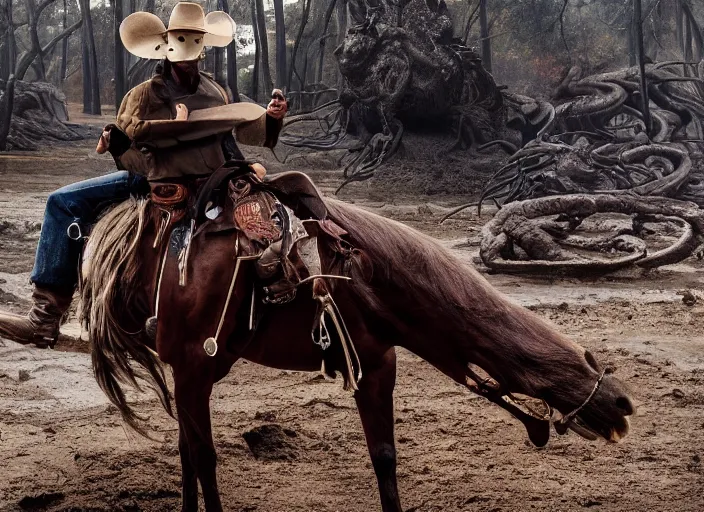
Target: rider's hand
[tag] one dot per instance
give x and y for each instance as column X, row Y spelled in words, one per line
column 181, row 112
column 278, row 106
column 104, row 142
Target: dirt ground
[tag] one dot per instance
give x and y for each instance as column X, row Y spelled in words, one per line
column 63, row 448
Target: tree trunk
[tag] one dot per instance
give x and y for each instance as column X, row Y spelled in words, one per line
column 484, row 34
column 257, row 53
column 341, row 21
column 638, row 27
column 219, row 56
column 631, row 38
column 85, row 68
column 218, row 60
column 263, row 42
column 231, row 54
column 63, row 68
column 34, row 37
column 297, row 42
column 120, row 82
column 324, row 38
column 696, row 40
column 679, row 25
column 91, row 100
column 128, row 58
column 6, row 105
column 341, row 33
column 7, row 49
column 27, row 57
column 280, row 42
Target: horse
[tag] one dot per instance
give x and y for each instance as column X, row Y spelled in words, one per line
column 405, row 290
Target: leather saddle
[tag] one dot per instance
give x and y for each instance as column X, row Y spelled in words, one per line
column 282, row 224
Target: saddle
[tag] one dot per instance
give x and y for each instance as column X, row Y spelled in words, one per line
column 282, row 226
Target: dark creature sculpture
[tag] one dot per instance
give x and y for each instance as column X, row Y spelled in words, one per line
column 402, row 69
column 594, row 141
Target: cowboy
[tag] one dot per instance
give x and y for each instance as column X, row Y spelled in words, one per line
column 156, row 136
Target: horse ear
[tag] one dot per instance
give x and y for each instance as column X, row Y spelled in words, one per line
column 298, row 192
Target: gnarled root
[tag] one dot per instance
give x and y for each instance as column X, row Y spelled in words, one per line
column 544, row 244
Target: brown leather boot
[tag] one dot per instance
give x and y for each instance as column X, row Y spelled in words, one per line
column 41, row 325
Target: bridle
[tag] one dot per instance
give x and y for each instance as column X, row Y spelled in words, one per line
column 564, row 423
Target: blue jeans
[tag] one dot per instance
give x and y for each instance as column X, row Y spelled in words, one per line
column 58, row 256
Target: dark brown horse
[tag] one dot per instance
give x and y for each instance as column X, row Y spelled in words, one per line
column 406, row 291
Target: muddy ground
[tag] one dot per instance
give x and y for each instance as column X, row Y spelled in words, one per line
column 63, row 448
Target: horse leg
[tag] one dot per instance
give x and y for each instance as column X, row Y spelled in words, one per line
column 198, row 458
column 189, row 478
column 375, row 403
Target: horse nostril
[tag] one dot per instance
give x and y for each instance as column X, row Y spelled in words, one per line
column 625, row 405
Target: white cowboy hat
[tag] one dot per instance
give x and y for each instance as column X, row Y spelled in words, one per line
column 145, row 35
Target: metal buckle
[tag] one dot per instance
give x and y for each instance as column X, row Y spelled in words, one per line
column 74, row 232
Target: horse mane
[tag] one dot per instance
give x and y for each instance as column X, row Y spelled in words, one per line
column 110, row 278
column 447, row 297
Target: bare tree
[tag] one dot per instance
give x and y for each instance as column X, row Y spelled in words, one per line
column 120, row 81
column 263, row 43
column 32, row 17
column 257, row 52
column 297, row 43
column 219, row 58
column 231, row 61
column 484, row 34
column 22, row 65
column 281, row 41
column 91, row 81
column 324, row 37
column 7, row 42
column 638, row 28
column 6, row 105
column 692, row 42
column 63, row 68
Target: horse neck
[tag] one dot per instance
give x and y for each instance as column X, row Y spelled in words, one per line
column 420, row 296
column 510, row 343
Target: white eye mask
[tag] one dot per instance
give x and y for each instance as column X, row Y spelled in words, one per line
column 183, row 46
column 145, row 35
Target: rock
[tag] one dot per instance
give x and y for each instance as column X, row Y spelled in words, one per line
column 269, row 416
column 688, row 298
column 8, row 297
column 424, row 209
column 40, row 501
column 40, row 114
column 24, row 376
column 678, row 393
column 589, row 503
column 273, row 442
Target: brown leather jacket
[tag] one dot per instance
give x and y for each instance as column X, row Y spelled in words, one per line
column 146, row 139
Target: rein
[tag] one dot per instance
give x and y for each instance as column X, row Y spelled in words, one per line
column 210, row 346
